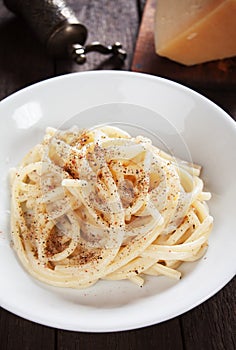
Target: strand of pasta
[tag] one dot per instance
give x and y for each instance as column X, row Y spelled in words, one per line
column 99, row 204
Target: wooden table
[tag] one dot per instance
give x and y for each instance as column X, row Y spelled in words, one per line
column 23, row 62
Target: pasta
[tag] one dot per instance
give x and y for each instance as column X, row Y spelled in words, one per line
column 100, row 204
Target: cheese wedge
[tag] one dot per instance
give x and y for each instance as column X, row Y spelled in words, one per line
column 195, row 31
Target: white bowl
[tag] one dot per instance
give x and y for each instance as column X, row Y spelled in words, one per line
column 176, row 119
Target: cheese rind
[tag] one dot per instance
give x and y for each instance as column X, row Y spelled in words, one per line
column 203, row 35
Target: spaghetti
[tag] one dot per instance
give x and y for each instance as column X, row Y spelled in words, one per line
column 100, row 204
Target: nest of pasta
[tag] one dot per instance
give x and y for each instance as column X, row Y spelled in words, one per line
column 100, row 204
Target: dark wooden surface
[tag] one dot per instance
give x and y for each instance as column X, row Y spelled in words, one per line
column 23, row 61
column 215, row 74
column 216, row 80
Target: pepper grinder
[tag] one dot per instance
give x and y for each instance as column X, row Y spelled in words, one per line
column 59, row 30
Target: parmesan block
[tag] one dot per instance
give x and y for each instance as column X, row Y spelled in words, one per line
column 195, row 31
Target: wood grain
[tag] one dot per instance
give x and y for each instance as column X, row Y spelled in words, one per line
column 18, row 333
column 217, row 74
column 166, row 335
column 24, row 61
column 223, row 98
column 212, row 325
